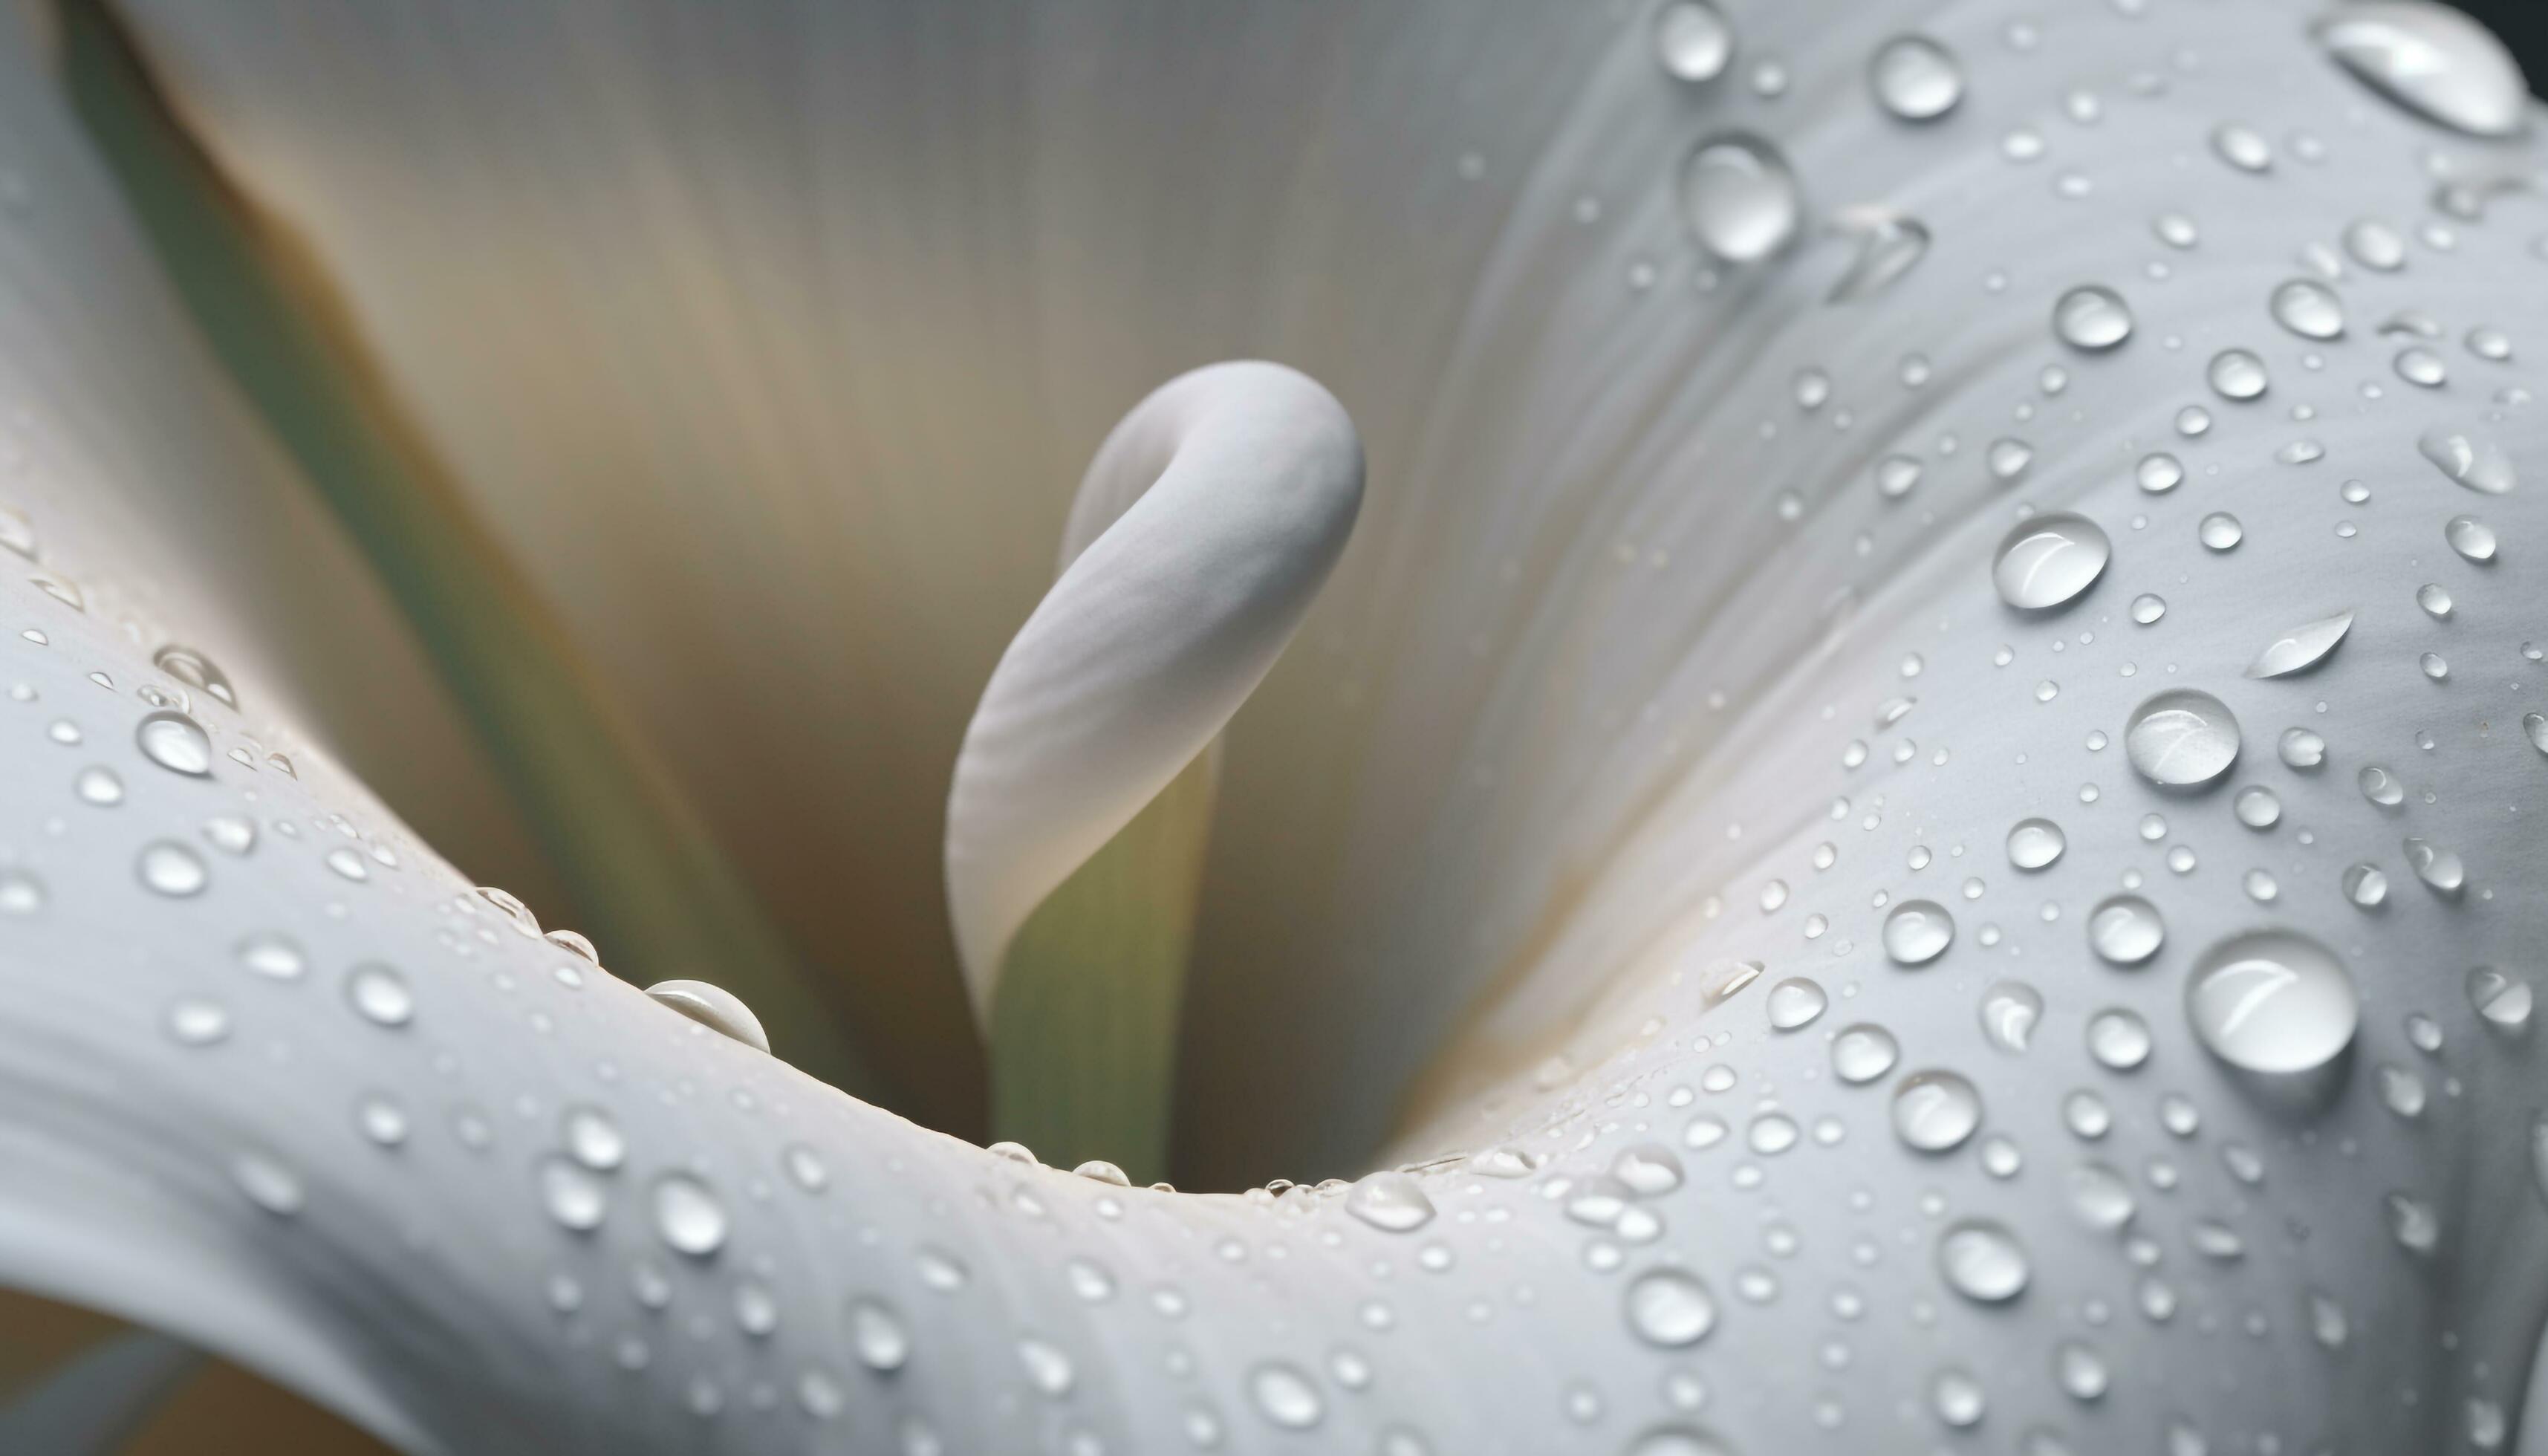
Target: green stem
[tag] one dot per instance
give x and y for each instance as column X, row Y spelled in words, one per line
column 1085, row 1022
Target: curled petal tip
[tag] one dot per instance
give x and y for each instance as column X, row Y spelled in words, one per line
column 1205, row 526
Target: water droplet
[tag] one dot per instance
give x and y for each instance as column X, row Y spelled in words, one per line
column 2219, row 532
column 2471, row 538
column 878, row 1336
column 196, row 1022
column 1391, row 1202
column 272, row 956
column 2009, row 458
column 1916, row 78
column 1671, row 1309
column 175, row 743
column 2119, row 1038
column 380, row 994
column 1982, row 1262
column 171, row 868
column 267, row 1183
column 1933, row 1111
column 1693, row 41
column 2126, row 930
column 2421, row 367
column 2271, row 1001
column 2034, row 843
column 2480, row 465
column 573, row 1196
column 719, row 1010
column 1918, row 932
column 2257, row 807
column 2237, row 374
column 1647, row 1170
column 2439, row 867
column 2435, row 599
column 1864, row 1052
column 98, row 785
column 2432, row 60
column 1796, row 1002
column 2081, row 1370
column 2149, row 607
column 689, row 1216
column 2433, row 665
column 2301, row 748
column 1047, row 1369
column 1739, row 199
column 2181, row 738
column 593, row 1139
column 197, row 671
column 2100, row 1196
column 2158, row 473
column 2502, row 1000
column 1099, row 1170
column 2412, row 1223
column 231, row 834
column 2302, row 647
column 2092, row 317
column 2048, row 560
column 2309, row 308
column 2242, row 147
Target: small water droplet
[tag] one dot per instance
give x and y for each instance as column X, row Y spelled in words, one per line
column 2309, row 308
column 2126, row 930
column 2302, row 647
column 380, row 994
column 2471, row 538
column 1693, row 41
column 97, row 784
column 719, row 1010
column 1796, row 1002
column 1888, row 246
column 2010, row 1012
column 2034, row 843
column 1915, row 78
column 2219, row 532
column 2242, row 147
column 1918, row 932
column 2048, row 560
column 172, row 870
column 2237, row 374
column 1391, row 1202
column 175, row 743
column 2149, row 607
column 1982, row 1262
column 1671, row 1309
column 2437, row 867
column 267, row 1183
column 1864, row 1052
column 196, row 671
column 878, row 1336
column 196, row 1022
column 689, row 1216
column 572, row 1195
column 1935, row 1111
column 2480, row 465
column 2093, row 318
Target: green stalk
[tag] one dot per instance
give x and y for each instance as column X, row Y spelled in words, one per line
column 1084, row 1021
column 657, row 891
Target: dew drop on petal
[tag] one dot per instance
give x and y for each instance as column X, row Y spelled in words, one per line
column 1391, row 1202
column 2434, row 62
column 573, row 1196
column 1918, row 932
column 1935, row 1111
column 2502, row 1000
column 1982, row 1262
column 170, row 868
column 2119, row 1038
column 2471, row 538
column 877, row 1335
column 2126, row 930
column 2480, row 465
column 2439, row 867
column 2034, row 843
column 1693, row 41
column 2093, row 318
column 1915, row 78
column 1739, row 199
column 1285, row 1395
column 1796, row 1002
column 2048, row 560
column 1864, row 1052
column 714, row 1007
column 2309, row 308
column 2181, row 738
column 2271, row 1001
column 1671, row 1309
column 2010, row 1012
column 175, row 743
column 2219, row 532
column 2302, row 647
column 689, row 1216
column 380, row 994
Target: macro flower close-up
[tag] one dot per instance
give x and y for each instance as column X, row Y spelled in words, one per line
column 1644, row 727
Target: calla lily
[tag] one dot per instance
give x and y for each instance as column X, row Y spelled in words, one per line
column 1817, row 836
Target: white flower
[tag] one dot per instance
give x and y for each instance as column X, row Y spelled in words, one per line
column 1768, row 829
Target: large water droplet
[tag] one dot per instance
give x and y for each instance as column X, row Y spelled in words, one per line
column 2126, row 930
column 2219, row 532
column 1739, row 199
column 593, row 1139
column 197, row 671
column 2309, row 308
column 1933, row 1111
column 175, row 743
column 1982, row 1262
column 2158, row 473
column 2439, row 867
column 1285, row 1395
column 1918, row 932
column 2303, row 645
column 2048, row 560
column 2119, row 1038
column 1916, row 78
column 2431, row 59
column 1392, row 1201
column 2271, row 1001
column 2181, row 738
column 714, row 1007
column 2034, row 843
column 2480, row 465
column 573, row 1197
column 380, row 994
column 1888, row 246
column 2092, row 317
column 1670, row 1307
column 2471, row 538
column 1693, row 41
column 689, row 1216
column 2101, row 1197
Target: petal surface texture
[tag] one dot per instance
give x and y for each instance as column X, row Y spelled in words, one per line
column 1649, row 688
